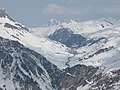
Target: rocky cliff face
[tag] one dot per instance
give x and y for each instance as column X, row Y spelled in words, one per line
column 75, row 76
column 28, row 70
column 22, row 67
column 81, row 77
column 67, row 37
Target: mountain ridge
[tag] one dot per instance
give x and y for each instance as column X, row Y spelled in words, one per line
column 32, row 60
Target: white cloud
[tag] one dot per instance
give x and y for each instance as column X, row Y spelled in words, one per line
column 57, row 9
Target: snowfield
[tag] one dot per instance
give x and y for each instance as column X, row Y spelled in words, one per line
column 102, row 51
column 58, row 53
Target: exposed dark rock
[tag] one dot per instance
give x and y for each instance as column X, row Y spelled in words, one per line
column 75, row 76
column 65, row 36
column 105, row 81
column 21, row 27
column 100, row 51
column 18, row 26
column 93, row 41
column 13, row 57
column 3, row 14
column 71, row 40
column 10, row 26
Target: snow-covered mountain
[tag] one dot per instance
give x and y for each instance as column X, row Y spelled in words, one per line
column 62, row 55
column 98, row 46
column 44, row 46
column 77, row 26
column 23, row 68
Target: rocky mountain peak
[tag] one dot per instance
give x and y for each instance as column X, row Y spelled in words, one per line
column 3, row 14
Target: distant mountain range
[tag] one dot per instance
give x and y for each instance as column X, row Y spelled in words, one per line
column 61, row 55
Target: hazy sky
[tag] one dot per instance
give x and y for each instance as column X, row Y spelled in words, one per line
column 33, row 13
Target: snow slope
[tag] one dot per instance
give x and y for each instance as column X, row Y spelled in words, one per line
column 104, row 53
column 55, row 52
column 76, row 26
column 98, row 54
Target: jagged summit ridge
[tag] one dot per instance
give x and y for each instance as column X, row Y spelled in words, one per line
column 3, row 14
column 77, row 26
column 8, row 22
